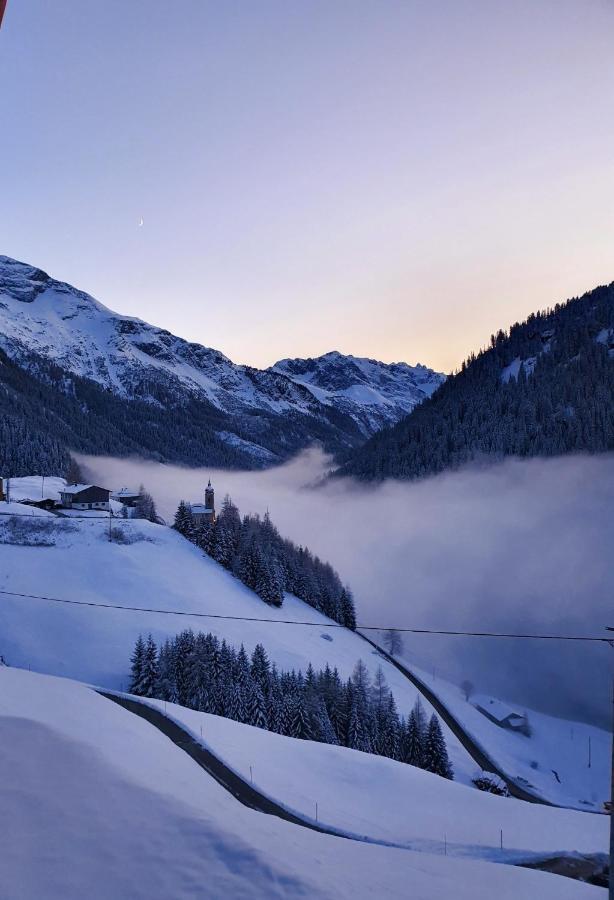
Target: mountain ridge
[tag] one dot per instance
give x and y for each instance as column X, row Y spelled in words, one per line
column 63, row 337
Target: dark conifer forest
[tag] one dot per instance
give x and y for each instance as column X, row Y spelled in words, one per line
column 197, row 671
column 255, row 552
column 544, row 389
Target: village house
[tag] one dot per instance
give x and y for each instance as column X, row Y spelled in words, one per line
column 126, row 497
column 84, row 496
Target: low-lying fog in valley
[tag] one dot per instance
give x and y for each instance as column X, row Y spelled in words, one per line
column 517, row 546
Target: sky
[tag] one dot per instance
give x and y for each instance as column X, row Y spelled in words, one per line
column 390, row 179
column 517, row 546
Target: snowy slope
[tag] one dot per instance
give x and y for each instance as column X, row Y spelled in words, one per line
column 554, row 760
column 129, row 357
column 72, row 559
column 102, row 805
column 371, row 796
column 33, row 487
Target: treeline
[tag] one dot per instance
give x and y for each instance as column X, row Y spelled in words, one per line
column 559, row 401
column 255, row 552
column 202, row 673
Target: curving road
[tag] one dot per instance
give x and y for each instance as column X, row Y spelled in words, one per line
column 242, row 790
column 474, row 749
column 246, row 794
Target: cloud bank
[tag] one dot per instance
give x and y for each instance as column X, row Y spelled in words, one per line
column 516, row 546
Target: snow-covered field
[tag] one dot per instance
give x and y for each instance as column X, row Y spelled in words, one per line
column 100, row 804
column 34, row 487
column 565, row 762
column 155, row 567
column 383, row 800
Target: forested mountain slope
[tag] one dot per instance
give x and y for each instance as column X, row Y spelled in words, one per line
column 44, row 415
column 544, row 389
column 140, row 389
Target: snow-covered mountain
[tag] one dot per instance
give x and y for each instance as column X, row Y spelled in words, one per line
column 373, row 393
column 338, row 400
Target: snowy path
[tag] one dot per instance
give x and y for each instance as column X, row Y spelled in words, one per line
column 535, row 836
column 240, row 789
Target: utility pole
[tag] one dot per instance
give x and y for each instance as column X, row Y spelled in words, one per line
column 611, row 878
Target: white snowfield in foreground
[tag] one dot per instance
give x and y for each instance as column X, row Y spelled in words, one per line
column 159, row 569
column 565, row 762
column 99, row 804
column 371, row 796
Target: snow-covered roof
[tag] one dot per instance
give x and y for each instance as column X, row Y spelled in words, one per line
column 497, row 708
column 125, row 492
column 75, row 488
column 200, row 508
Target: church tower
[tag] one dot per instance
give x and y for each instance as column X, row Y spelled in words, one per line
column 210, row 500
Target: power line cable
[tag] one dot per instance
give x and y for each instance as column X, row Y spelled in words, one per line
column 201, row 615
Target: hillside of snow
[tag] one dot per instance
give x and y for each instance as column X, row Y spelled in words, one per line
column 61, row 324
column 563, row 761
column 384, row 800
column 101, row 804
column 152, row 567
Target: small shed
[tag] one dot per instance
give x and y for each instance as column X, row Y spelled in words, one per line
column 84, row 496
column 46, row 503
column 503, row 715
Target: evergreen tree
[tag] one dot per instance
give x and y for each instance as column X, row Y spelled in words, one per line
column 184, row 646
column 145, row 508
column 149, row 670
column 260, row 668
column 347, row 615
column 166, row 688
column 435, row 752
column 413, row 738
column 183, row 519
column 358, row 737
column 256, row 707
column 136, row 668
column 300, row 726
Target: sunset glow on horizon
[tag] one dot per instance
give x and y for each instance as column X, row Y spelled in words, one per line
column 395, row 180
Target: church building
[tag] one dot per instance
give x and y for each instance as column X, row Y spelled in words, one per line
column 204, row 513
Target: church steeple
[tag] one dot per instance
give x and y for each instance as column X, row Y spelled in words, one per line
column 210, row 498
